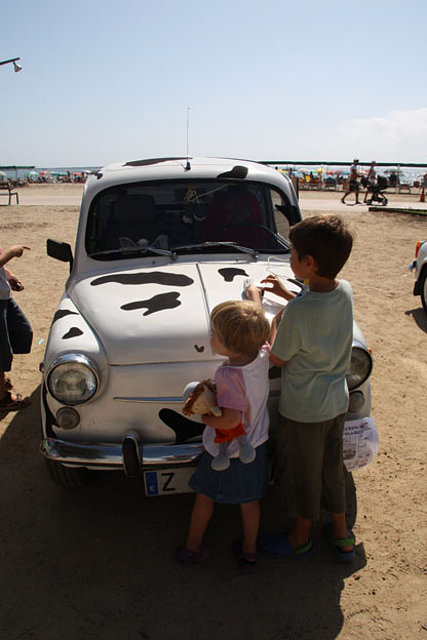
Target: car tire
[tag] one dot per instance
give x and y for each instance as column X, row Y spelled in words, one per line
column 351, row 499
column 423, row 288
column 66, row 477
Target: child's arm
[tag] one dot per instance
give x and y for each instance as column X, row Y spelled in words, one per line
column 279, row 288
column 278, row 362
column 14, row 282
column 273, row 331
column 15, row 251
column 230, row 419
column 254, row 293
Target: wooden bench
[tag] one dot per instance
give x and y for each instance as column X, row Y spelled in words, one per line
column 7, row 190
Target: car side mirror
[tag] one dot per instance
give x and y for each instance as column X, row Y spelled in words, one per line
column 60, row 251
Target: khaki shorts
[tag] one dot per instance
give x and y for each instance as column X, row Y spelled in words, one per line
column 309, row 467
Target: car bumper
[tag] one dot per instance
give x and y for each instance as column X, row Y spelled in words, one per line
column 116, row 457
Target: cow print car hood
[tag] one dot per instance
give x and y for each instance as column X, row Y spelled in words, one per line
column 136, row 316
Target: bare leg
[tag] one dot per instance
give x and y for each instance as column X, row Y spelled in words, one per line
column 250, row 519
column 3, row 390
column 200, row 518
column 339, row 529
column 7, row 395
column 300, row 534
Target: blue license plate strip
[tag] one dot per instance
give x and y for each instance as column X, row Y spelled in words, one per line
column 167, row 481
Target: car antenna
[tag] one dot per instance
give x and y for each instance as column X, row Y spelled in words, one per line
column 188, row 166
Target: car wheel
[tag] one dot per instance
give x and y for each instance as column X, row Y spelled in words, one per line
column 66, row 477
column 351, row 500
column 423, row 289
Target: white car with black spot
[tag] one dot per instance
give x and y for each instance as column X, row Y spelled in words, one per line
column 160, row 242
column 419, row 265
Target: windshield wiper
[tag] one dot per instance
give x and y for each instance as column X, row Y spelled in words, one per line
column 213, row 243
column 127, row 252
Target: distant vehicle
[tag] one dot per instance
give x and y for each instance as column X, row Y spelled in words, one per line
column 419, row 265
column 160, row 242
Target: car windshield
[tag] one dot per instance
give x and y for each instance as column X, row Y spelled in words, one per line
column 177, row 217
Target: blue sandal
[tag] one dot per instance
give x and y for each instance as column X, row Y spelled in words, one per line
column 336, row 545
column 278, row 545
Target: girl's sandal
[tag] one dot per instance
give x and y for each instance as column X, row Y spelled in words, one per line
column 183, row 555
column 10, row 403
column 247, row 560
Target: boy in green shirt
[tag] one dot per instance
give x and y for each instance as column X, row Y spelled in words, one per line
column 312, row 340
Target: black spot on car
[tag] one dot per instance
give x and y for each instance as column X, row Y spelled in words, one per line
column 154, row 277
column 72, row 333
column 61, row 313
column 230, row 273
column 199, row 349
column 161, row 302
column 149, row 161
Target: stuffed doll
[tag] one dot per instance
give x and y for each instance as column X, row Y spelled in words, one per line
column 200, row 398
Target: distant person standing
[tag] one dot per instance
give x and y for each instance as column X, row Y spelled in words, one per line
column 16, row 334
column 353, row 183
column 393, row 180
column 371, row 178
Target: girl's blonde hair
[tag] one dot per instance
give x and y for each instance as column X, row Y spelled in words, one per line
column 241, row 325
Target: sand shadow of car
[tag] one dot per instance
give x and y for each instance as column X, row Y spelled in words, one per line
column 111, row 537
column 419, row 316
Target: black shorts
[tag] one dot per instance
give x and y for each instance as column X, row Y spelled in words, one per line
column 16, row 334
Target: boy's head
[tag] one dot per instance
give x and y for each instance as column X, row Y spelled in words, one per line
column 325, row 238
column 240, row 325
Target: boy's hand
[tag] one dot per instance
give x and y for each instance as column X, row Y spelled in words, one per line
column 278, row 287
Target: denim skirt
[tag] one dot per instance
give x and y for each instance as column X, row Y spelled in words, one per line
column 237, row 484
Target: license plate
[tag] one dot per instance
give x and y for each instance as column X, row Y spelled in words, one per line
column 167, row 481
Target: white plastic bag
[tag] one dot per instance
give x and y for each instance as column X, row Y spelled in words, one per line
column 360, row 443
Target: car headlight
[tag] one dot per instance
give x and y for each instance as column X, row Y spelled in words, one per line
column 72, row 379
column 360, row 366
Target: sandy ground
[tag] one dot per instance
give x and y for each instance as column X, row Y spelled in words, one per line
column 97, row 563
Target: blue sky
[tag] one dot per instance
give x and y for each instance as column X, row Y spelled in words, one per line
column 110, row 81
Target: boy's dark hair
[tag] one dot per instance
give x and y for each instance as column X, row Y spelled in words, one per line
column 327, row 239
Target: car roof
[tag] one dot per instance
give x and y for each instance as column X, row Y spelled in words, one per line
column 183, row 168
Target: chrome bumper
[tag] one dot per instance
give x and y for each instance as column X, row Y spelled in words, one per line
column 110, row 457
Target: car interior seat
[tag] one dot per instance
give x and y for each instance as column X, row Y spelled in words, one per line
column 233, row 216
column 133, row 217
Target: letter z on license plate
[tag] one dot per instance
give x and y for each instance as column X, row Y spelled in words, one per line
column 167, row 481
